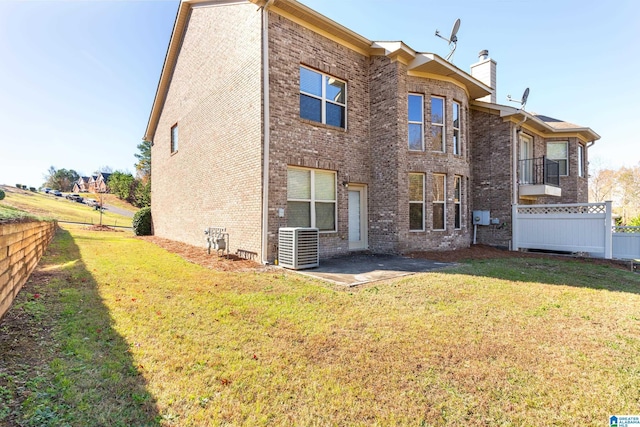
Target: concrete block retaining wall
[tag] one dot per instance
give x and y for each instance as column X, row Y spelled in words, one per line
column 21, row 247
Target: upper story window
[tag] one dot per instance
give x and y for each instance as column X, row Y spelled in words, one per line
column 416, row 202
column 580, row 160
column 457, row 201
column 174, row 138
column 437, row 124
column 323, row 98
column 416, row 122
column 559, row 152
column 457, row 126
column 311, row 198
column 439, row 201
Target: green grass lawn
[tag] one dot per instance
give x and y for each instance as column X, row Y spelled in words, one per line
column 49, row 206
column 123, row 333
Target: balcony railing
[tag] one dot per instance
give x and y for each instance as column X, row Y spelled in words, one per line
column 539, row 171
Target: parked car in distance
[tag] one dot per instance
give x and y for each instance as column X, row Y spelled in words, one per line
column 91, row 202
column 74, row 196
column 47, row 190
column 56, row 193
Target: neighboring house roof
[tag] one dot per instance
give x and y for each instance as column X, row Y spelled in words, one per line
column 547, row 126
column 428, row 64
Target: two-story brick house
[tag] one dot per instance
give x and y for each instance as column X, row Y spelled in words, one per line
column 268, row 114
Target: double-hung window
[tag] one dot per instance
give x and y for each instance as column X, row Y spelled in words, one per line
column 416, row 202
column 457, row 201
column 439, row 201
column 311, row 198
column 174, row 138
column 558, row 151
column 416, row 122
column 580, row 160
column 323, row 98
column 437, row 124
column 457, row 147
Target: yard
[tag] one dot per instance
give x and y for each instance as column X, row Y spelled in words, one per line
column 113, row 330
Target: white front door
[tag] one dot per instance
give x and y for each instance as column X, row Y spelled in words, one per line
column 357, row 217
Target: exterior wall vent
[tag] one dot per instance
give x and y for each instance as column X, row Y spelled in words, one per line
column 298, row 247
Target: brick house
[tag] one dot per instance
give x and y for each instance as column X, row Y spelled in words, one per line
column 273, row 115
column 98, row 183
column 81, row 185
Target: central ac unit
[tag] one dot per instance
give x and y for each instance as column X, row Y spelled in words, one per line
column 298, row 247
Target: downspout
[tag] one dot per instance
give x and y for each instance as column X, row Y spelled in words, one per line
column 265, row 132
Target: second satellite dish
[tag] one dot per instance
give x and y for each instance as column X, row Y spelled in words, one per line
column 452, row 40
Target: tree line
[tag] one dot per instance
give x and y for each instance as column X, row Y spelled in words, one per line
column 135, row 190
column 622, row 187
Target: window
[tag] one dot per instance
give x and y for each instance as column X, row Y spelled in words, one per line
column 174, row 138
column 437, row 123
column 558, row 151
column 457, row 201
column 416, row 202
column 439, row 204
column 416, row 118
column 457, row 149
column 322, row 98
column 311, row 198
column 580, row 160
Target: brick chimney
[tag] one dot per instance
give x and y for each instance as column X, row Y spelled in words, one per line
column 485, row 71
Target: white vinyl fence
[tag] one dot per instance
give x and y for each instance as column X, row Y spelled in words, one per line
column 576, row 227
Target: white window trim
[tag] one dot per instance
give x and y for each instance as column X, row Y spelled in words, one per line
column 313, row 200
column 580, row 160
column 566, row 159
column 421, row 202
column 174, row 143
column 441, row 202
column 323, row 99
column 421, row 123
column 457, row 148
column 457, row 202
column 443, row 145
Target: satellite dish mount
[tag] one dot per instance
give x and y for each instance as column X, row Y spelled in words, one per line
column 522, row 100
column 452, row 40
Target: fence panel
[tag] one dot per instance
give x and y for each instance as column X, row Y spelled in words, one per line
column 626, row 242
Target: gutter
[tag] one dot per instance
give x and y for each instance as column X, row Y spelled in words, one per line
column 265, row 132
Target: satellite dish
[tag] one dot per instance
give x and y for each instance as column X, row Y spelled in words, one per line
column 452, row 40
column 523, row 100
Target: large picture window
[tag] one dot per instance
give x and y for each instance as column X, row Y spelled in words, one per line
column 439, row 201
column 311, row 198
column 416, row 122
column 437, row 124
column 416, row 202
column 558, row 151
column 457, row 147
column 457, row 201
column 323, row 98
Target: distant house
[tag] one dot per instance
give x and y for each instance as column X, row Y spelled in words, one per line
column 276, row 116
column 81, row 185
column 99, row 183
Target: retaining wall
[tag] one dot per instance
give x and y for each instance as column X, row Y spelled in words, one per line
column 21, row 247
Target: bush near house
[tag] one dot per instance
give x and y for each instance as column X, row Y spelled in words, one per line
column 142, row 222
column 2, row 194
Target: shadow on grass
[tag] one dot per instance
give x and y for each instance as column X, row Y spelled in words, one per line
column 582, row 273
column 61, row 361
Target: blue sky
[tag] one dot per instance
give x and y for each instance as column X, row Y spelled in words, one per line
column 77, row 78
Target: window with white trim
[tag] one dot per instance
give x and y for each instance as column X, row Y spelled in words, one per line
column 439, row 201
column 323, row 98
column 457, row 202
column 457, row 147
column 558, row 151
column 580, row 160
column 174, row 138
column 416, row 202
column 437, row 124
column 311, row 198
column 416, row 122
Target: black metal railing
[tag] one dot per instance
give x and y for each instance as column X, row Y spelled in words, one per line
column 539, row 171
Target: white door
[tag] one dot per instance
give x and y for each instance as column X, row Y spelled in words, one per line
column 526, row 159
column 357, row 217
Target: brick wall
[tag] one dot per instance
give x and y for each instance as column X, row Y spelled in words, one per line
column 215, row 98
column 21, row 247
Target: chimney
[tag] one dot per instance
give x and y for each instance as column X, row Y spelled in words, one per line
column 485, row 71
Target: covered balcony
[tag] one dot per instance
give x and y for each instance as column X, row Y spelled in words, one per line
column 538, row 177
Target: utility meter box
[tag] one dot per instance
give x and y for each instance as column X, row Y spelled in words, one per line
column 481, row 218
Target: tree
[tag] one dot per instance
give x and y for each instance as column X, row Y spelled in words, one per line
column 622, row 186
column 61, row 179
column 121, row 184
column 143, row 167
column 104, row 169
